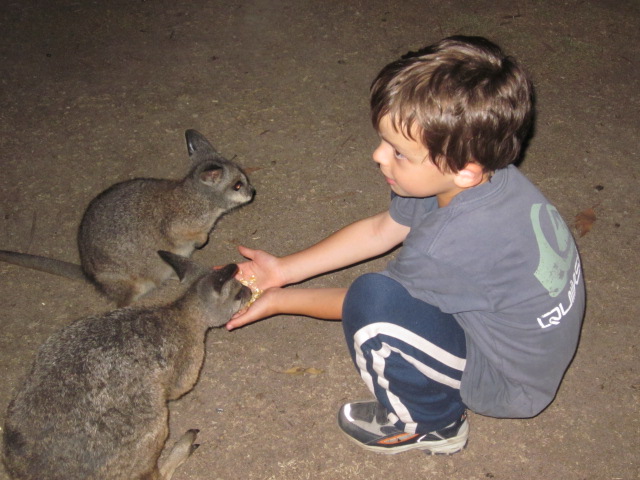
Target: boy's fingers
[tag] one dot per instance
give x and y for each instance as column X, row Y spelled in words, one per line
column 238, row 320
column 245, row 251
column 240, row 312
column 234, row 323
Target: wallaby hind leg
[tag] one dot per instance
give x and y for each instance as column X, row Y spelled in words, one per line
column 181, row 450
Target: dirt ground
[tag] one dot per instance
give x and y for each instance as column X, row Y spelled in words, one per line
column 94, row 92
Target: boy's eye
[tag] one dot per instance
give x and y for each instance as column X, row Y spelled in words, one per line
column 397, row 154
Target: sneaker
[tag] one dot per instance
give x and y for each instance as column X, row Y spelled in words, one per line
column 366, row 424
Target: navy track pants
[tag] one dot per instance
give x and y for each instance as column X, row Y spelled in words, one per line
column 410, row 354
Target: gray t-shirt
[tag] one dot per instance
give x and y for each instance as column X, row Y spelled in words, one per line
column 503, row 262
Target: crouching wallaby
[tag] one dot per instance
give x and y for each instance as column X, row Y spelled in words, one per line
column 124, row 226
column 94, row 405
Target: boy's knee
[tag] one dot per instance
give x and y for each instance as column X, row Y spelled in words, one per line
column 366, row 289
column 368, row 296
column 366, row 284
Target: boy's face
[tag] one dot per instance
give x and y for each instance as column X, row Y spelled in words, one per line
column 408, row 169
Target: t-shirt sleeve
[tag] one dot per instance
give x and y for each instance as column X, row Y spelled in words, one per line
column 404, row 209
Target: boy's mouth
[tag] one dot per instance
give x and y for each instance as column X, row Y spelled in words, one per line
column 387, row 179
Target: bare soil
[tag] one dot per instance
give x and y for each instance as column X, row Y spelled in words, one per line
column 94, row 92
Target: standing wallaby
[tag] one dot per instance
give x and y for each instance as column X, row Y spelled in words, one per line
column 94, row 405
column 124, row 226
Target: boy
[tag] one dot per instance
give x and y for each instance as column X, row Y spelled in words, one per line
column 482, row 307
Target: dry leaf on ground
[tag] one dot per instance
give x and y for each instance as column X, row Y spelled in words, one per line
column 584, row 221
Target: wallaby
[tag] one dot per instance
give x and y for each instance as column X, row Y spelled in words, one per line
column 94, row 405
column 124, row 226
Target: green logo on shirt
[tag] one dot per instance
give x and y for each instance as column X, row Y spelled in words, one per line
column 556, row 254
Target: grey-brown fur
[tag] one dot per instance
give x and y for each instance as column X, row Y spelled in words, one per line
column 95, row 403
column 124, row 226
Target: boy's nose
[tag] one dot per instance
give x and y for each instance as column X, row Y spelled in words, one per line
column 378, row 155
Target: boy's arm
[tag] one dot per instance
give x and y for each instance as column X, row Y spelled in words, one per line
column 362, row 240
column 359, row 241
column 325, row 303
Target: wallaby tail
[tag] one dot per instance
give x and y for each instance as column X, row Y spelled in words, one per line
column 44, row 264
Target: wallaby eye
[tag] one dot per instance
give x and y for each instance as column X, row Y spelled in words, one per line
column 237, row 186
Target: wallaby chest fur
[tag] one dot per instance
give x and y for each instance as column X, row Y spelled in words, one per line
column 94, row 405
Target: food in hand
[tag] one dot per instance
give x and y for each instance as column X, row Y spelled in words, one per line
column 255, row 291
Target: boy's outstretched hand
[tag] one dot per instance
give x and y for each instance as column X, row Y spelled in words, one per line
column 268, row 273
column 263, row 268
column 263, row 273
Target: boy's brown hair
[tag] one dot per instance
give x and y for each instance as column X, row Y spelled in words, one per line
column 465, row 99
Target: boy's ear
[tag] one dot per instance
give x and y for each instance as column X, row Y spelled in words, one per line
column 470, row 176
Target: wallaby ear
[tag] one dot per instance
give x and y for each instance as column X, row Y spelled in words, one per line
column 197, row 143
column 223, row 275
column 210, row 176
column 182, row 265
